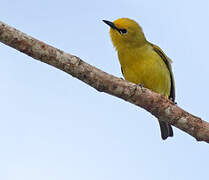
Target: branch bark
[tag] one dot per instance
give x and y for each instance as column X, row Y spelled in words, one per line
column 154, row 103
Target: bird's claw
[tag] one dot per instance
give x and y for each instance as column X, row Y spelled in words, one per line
column 173, row 101
column 141, row 85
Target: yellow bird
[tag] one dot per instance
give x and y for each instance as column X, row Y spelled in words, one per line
column 143, row 62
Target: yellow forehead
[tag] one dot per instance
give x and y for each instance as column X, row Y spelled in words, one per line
column 125, row 23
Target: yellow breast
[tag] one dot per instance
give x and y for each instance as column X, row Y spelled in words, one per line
column 144, row 66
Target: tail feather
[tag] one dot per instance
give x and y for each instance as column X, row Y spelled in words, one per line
column 170, row 130
column 166, row 130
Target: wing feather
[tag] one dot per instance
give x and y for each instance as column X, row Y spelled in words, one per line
column 168, row 62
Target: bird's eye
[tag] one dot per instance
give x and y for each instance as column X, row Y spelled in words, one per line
column 123, row 31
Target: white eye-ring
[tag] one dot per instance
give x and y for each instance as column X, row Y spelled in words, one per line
column 123, row 31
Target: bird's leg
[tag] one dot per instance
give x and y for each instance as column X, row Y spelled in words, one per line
column 141, row 85
column 173, row 101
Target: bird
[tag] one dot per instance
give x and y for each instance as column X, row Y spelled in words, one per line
column 143, row 62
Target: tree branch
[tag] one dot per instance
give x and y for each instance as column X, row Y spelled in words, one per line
column 156, row 104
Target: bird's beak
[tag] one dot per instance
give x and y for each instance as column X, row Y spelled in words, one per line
column 111, row 24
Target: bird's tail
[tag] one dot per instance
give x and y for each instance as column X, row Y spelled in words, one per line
column 166, row 130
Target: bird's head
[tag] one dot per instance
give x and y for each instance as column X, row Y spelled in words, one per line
column 125, row 33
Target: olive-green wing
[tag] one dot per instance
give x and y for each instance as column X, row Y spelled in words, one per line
column 168, row 62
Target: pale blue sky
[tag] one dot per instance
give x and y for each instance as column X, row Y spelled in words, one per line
column 54, row 126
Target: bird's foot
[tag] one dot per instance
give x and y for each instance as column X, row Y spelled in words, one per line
column 173, row 101
column 141, row 85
